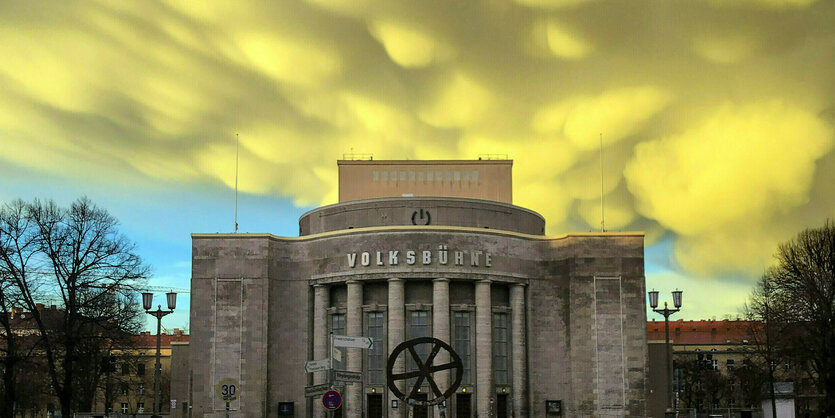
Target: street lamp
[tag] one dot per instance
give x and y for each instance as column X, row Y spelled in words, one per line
column 147, row 302
column 653, row 303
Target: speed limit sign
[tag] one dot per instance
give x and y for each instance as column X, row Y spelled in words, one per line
column 228, row 389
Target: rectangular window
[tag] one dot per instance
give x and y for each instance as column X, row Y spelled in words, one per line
column 140, row 407
column 456, row 175
column 140, row 390
column 420, row 175
column 385, row 176
column 411, row 176
column 715, row 364
column 393, row 176
column 461, row 344
column 465, row 176
column 418, row 327
column 448, row 176
column 474, row 176
column 438, row 176
column 402, row 176
column 375, row 175
column 140, row 369
column 376, row 361
column 338, row 328
column 124, row 389
column 730, row 364
column 125, row 369
column 124, row 408
column 500, row 348
column 429, row 176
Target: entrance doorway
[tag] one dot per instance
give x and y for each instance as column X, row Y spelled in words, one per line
column 375, row 406
column 501, row 406
column 421, row 411
column 463, row 405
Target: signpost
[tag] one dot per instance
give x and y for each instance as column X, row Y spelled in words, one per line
column 332, row 400
column 353, row 342
column 347, row 377
column 317, row 365
column 316, row 390
column 228, row 390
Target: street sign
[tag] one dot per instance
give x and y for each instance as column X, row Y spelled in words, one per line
column 347, row 377
column 332, row 400
column 228, row 389
column 316, row 390
column 336, row 354
column 317, row 365
column 352, row 342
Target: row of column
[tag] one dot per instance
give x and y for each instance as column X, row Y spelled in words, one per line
column 440, row 330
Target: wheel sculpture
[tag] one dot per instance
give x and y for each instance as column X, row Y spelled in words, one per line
column 424, row 371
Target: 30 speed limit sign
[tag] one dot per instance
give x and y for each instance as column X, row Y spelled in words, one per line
column 228, row 389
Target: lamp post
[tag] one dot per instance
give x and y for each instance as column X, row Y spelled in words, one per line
column 147, row 302
column 653, row 303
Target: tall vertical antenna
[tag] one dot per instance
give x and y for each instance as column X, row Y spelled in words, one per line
column 237, row 142
column 602, row 212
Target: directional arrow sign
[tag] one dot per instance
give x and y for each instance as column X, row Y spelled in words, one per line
column 352, row 342
column 347, row 377
column 317, row 365
column 316, row 390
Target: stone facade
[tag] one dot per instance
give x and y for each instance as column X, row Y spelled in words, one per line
column 544, row 317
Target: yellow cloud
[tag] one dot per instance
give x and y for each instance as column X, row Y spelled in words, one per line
column 724, row 49
column 409, row 47
column 742, row 164
column 461, row 101
column 616, row 113
column 768, row 4
column 564, row 43
column 296, row 61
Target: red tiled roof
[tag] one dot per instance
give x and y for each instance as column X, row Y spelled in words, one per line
column 702, row 332
column 147, row 339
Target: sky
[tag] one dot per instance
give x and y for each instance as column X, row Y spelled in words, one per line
column 717, row 117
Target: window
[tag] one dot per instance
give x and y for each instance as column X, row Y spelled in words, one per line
column 140, row 369
column 140, row 390
column 140, row 407
column 411, row 176
column 448, row 176
column 418, row 327
column 438, row 176
column 125, row 369
column 420, row 176
column 474, row 176
column 393, row 176
column 338, row 328
column 124, row 408
column 124, row 388
column 461, row 344
column 465, row 176
column 457, row 175
column 428, row 176
column 385, row 176
column 729, row 364
column 500, row 348
column 375, row 175
column 376, row 361
column 715, row 364
column 402, row 176
column 715, row 403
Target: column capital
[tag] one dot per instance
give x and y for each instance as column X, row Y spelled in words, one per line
column 440, row 279
column 319, row 285
column 484, row 281
column 519, row 284
column 395, row 279
column 353, row 282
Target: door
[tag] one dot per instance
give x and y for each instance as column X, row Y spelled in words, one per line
column 375, row 406
column 463, row 406
column 501, row 406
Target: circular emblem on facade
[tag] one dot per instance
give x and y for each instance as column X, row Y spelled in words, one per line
column 228, row 389
column 425, row 369
column 421, row 217
column 332, row 400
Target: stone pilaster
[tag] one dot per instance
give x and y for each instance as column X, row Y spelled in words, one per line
column 440, row 328
column 519, row 350
column 321, row 337
column 397, row 334
column 483, row 348
column 353, row 327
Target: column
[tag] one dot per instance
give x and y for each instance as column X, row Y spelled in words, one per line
column 353, row 327
column 321, row 337
column 518, row 350
column 483, row 348
column 396, row 335
column 440, row 329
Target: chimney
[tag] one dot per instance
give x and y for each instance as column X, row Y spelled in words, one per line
column 39, row 307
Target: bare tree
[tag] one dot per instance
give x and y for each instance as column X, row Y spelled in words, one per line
column 795, row 299
column 80, row 258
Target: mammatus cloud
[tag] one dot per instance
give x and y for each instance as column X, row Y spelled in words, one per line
column 716, row 133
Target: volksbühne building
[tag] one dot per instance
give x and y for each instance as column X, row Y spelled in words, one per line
column 422, row 248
